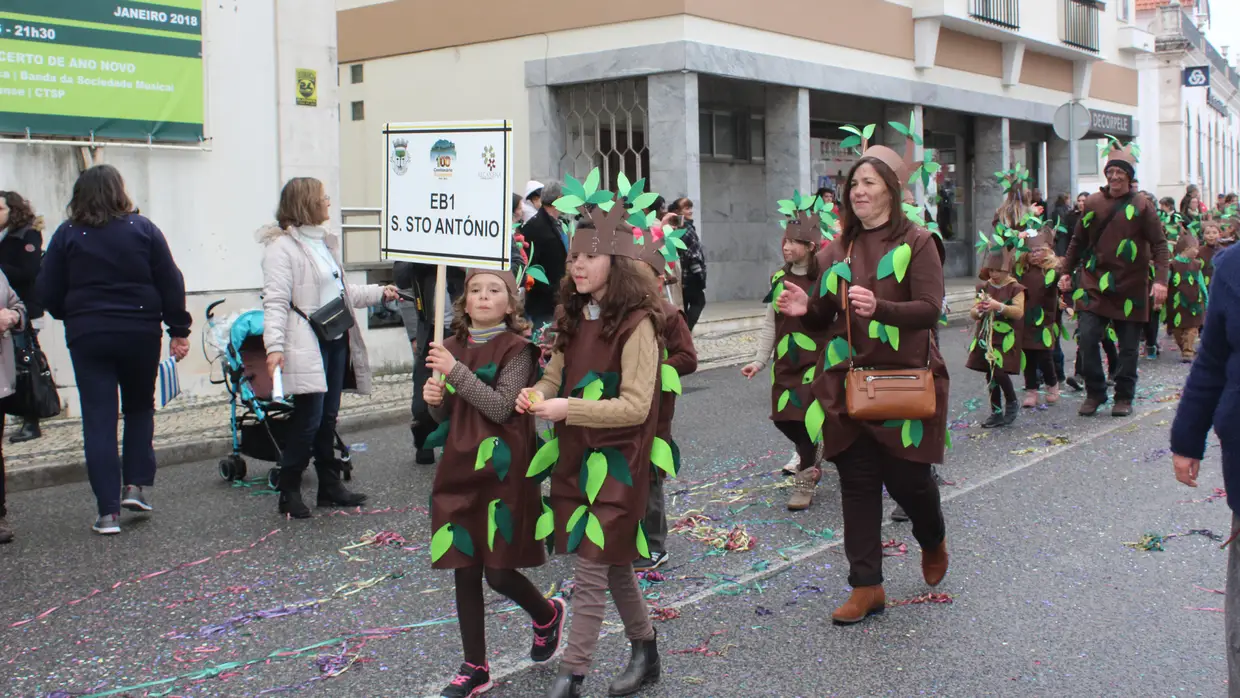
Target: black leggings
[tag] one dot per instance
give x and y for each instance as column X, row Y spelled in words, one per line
column 1039, row 360
column 797, row 434
column 1000, row 384
column 471, row 611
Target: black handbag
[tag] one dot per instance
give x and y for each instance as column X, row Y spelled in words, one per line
column 34, row 390
column 330, row 322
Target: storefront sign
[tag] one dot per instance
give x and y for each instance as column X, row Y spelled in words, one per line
column 307, row 87
column 447, row 193
column 1197, row 76
column 1216, row 103
column 1110, row 123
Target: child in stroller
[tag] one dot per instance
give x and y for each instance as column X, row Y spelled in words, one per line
column 258, row 423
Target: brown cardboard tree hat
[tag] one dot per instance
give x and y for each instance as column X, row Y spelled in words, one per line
column 807, row 219
column 1042, row 239
column 1184, row 244
column 997, row 260
column 1122, row 156
column 804, row 227
column 506, row 276
column 607, row 233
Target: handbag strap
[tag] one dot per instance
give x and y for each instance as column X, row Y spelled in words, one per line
column 848, row 318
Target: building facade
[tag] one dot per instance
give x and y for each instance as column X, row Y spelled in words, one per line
column 1191, row 132
column 736, row 107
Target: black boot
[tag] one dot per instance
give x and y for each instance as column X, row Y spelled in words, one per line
column 1011, row 410
column 290, row 495
column 331, row 491
column 29, row 432
column 996, row 415
column 644, row 667
column 422, row 455
column 566, row 685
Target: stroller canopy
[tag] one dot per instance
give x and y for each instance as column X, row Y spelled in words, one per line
column 248, row 324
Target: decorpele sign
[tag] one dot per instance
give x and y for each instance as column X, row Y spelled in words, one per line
column 447, row 193
column 1110, row 123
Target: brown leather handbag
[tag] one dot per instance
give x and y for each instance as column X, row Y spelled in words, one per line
column 875, row 395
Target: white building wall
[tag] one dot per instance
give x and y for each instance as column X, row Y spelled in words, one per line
column 209, row 202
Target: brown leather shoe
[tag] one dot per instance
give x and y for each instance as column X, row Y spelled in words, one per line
column 864, row 602
column 934, row 564
column 1090, row 407
column 803, row 486
column 1123, row 408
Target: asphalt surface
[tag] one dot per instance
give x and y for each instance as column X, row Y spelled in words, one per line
column 1046, row 600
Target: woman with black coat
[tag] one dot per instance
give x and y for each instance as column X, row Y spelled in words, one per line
column 21, row 254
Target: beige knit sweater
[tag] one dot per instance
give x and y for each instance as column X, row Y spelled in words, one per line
column 639, row 368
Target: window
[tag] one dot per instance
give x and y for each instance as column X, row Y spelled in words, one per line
column 355, row 73
column 1122, row 11
column 1087, row 158
column 731, row 135
column 359, row 111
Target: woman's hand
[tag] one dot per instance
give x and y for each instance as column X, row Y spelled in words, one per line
column 179, row 347
column 9, row 319
column 989, row 305
column 793, row 302
column 1186, row 469
column 1065, row 283
column 863, row 301
column 751, row 369
column 440, row 359
column 274, row 360
column 527, row 398
column 432, row 392
column 390, row 293
column 554, row 410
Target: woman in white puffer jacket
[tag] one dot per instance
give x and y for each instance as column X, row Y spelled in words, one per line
column 302, row 273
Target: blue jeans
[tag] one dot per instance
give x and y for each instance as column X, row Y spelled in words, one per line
column 101, row 362
column 312, row 430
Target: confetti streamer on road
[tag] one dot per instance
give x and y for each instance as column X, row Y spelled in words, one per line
column 894, row 548
column 697, row 527
column 932, row 597
column 1218, row 493
column 704, row 649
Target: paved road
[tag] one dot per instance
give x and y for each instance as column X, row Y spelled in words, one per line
column 1047, row 601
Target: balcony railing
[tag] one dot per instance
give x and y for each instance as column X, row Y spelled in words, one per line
column 1080, row 24
column 1003, row 13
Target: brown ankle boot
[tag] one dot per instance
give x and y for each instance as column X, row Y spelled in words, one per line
column 864, row 602
column 934, row 564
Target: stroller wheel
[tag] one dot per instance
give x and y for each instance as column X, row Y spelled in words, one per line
column 273, row 478
column 238, row 468
column 226, row 469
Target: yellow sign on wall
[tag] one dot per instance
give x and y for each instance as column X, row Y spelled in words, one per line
column 307, row 87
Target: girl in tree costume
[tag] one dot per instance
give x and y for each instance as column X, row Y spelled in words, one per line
column 1036, row 271
column 797, row 350
column 1186, row 301
column 1209, row 247
column 999, row 312
column 679, row 359
column 600, row 388
column 881, row 282
column 483, row 510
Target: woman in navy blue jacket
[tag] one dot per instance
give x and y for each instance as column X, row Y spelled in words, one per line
column 109, row 276
column 1212, row 398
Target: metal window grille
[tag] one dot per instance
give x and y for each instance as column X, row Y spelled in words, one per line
column 355, row 73
column 1080, row 24
column 1003, row 13
column 606, row 127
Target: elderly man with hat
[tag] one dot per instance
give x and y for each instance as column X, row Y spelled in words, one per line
column 1111, row 248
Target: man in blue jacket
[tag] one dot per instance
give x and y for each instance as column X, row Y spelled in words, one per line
column 1212, row 398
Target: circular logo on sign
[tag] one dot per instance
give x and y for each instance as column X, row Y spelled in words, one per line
column 1197, row 77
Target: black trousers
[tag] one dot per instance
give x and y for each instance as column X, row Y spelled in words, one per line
column 799, row 436
column 865, row 468
column 1093, row 330
column 655, row 523
column 1000, row 384
column 1151, row 327
column 1108, row 346
column 312, row 427
column 1039, row 369
column 695, row 300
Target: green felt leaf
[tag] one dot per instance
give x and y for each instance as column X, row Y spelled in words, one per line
column 901, row 128
column 1111, row 333
column 607, row 205
column 546, row 523
column 874, row 329
column 499, row 518
column 1130, row 211
column 575, row 518
column 591, row 183
column 1178, row 319
column 536, row 273
column 893, row 336
column 670, row 380
column 487, row 373
column 485, row 449
column 838, row 351
column 441, row 542
column 573, row 186
column 661, row 456
column 794, row 400
column 599, row 197
column 901, row 256
column 815, row 417
column 593, row 391
column 782, row 347
column 1047, row 338
column 439, row 437
column 1050, row 277
column 783, row 401
column 617, row 466
column 568, row 204
column 638, row 187
column 623, row 184
column 1105, row 282
column 501, row 458
column 776, row 291
column 451, row 390
column 1009, row 342
column 850, row 142
column 643, row 545
column 1002, row 327
column 1087, row 218
column 645, row 200
column 809, row 376
column 1078, row 294
column 596, row 473
column 1022, row 362
column 544, row 459
column 576, row 528
column 1127, row 307
column 804, row 342
column 679, row 244
column 973, row 344
column 1040, row 317
column 886, row 265
column 868, row 132
column 772, row 375
column 830, row 283
column 594, row 531
column 947, row 439
column 911, row 433
column 461, row 540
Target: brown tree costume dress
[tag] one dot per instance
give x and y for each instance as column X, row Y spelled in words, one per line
column 490, row 512
column 900, row 264
column 1007, row 338
column 679, row 357
column 1040, row 330
column 797, row 352
column 1186, row 300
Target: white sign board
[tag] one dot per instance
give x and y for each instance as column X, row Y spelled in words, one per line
column 447, row 194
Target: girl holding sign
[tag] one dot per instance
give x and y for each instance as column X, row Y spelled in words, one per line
column 599, row 389
column 483, row 509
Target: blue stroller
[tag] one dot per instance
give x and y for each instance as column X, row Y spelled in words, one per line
column 259, row 425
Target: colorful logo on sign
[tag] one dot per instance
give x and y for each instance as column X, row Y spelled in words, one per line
column 489, row 163
column 442, row 155
column 400, row 156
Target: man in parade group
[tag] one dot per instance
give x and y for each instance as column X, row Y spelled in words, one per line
column 1112, row 247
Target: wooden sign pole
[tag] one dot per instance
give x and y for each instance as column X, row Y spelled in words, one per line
column 441, row 293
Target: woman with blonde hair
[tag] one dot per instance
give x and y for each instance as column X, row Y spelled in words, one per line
column 312, row 338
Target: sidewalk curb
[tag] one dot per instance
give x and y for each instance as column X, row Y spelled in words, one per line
column 168, row 455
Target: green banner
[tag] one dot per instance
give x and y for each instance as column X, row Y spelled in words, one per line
column 129, row 70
